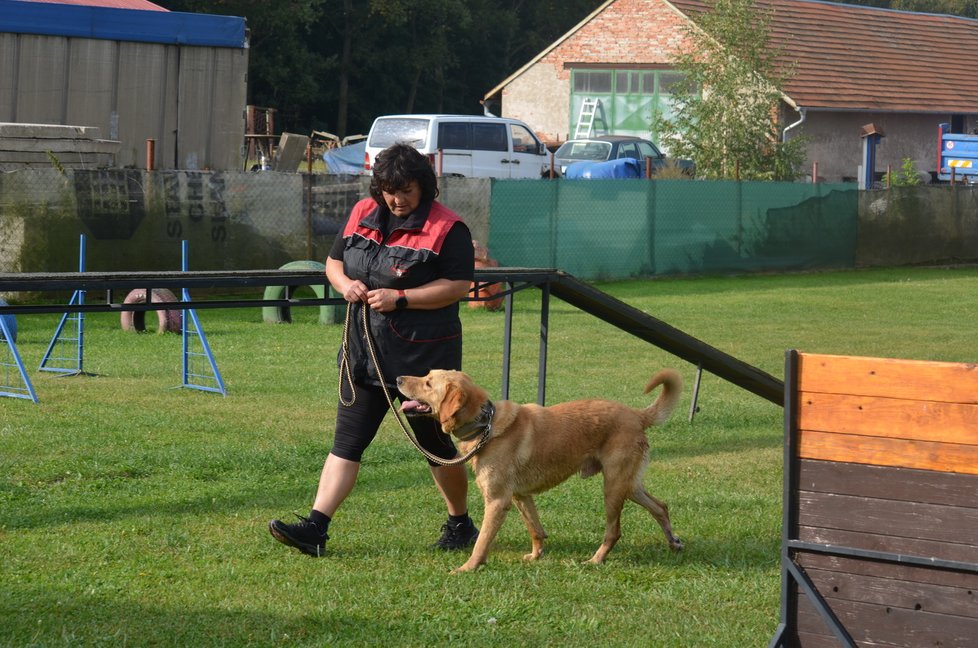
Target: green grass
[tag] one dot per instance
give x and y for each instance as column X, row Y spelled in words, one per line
column 134, row 513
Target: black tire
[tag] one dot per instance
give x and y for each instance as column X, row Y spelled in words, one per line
column 328, row 314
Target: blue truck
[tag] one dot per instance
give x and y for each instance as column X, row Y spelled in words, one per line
column 957, row 156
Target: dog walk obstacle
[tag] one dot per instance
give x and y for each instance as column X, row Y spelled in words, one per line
column 880, row 503
column 549, row 281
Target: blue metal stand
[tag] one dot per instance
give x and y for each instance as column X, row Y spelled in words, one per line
column 13, row 384
column 65, row 354
column 199, row 367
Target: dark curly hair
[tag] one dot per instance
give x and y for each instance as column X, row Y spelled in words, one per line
column 397, row 166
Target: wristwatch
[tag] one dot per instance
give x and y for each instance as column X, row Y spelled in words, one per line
column 401, row 302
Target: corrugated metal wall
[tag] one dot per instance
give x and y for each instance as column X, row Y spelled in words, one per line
column 189, row 98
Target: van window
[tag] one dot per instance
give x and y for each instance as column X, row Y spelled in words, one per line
column 470, row 136
column 453, row 136
column 523, row 140
column 392, row 131
column 489, row 137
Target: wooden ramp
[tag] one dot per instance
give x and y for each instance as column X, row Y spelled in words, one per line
column 880, row 544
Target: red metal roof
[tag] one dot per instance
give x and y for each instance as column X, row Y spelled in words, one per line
column 849, row 57
column 143, row 5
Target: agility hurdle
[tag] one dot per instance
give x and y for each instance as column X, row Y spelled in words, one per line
column 880, row 535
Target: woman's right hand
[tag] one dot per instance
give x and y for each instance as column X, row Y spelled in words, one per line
column 353, row 290
column 356, row 291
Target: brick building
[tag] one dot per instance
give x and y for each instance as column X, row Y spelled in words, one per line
column 852, row 65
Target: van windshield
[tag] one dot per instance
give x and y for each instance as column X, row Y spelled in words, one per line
column 393, row 131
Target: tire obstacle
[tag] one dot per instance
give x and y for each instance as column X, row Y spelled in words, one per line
column 880, row 503
column 168, row 321
column 328, row 314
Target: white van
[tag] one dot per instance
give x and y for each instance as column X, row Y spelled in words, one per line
column 470, row 146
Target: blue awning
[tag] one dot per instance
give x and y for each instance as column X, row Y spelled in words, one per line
column 169, row 27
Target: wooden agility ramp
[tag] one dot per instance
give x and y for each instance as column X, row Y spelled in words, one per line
column 880, row 537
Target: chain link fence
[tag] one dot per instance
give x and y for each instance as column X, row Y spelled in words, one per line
column 136, row 220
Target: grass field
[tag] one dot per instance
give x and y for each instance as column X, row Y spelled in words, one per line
column 134, row 513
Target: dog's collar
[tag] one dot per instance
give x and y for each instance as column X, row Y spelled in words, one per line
column 481, row 425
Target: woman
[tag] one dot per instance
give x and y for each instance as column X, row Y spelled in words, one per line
column 407, row 260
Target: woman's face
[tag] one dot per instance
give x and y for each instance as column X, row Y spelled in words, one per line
column 403, row 200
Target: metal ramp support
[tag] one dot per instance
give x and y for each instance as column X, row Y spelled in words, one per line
column 199, row 367
column 65, row 354
column 592, row 110
column 14, row 381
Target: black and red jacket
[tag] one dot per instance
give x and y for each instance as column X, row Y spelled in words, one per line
column 430, row 243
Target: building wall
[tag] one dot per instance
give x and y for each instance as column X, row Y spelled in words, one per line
column 835, row 142
column 624, row 33
column 189, row 99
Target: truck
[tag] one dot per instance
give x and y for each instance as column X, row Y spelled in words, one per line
column 957, row 156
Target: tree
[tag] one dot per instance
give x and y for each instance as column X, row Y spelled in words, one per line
column 723, row 114
column 966, row 8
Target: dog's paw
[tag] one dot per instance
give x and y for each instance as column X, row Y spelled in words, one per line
column 467, row 567
column 533, row 556
column 676, row 544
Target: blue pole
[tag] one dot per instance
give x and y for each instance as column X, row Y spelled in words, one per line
column 81, row 300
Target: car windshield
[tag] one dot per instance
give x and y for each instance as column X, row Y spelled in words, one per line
column 572, row 150
column 406, row 131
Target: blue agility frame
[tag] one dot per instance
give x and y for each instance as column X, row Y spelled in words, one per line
column 190, row 326
column 6, row 388
column 76, row 316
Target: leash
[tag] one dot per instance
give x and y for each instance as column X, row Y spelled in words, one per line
column 469, row 429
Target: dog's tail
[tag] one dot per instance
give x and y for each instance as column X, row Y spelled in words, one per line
column 672, row 386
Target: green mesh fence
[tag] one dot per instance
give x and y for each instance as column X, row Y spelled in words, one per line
column 610, row 229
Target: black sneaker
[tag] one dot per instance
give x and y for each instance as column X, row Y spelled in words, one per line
column 457, row 535
column 304, row 536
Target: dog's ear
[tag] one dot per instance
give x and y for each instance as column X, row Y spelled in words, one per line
column 451, row 405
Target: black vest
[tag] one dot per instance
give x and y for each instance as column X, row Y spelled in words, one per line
column 408, row 342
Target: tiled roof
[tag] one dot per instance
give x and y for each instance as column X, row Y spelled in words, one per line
column 112, row 4
column 849, row 57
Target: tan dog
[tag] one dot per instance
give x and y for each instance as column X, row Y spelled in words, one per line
column 531, row 449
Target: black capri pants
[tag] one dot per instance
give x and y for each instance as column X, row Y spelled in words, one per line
column 357, row 425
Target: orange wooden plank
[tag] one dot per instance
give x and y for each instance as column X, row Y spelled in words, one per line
column 889, row 417
column 949, row 382
column 901, row 453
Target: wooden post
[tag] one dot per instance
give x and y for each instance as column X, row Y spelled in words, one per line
column 150, row 154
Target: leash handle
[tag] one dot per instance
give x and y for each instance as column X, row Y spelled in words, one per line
column 346, row 374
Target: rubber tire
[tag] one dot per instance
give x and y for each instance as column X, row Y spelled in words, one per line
column 328, row 314
column 11, row 322
column 167, row 320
